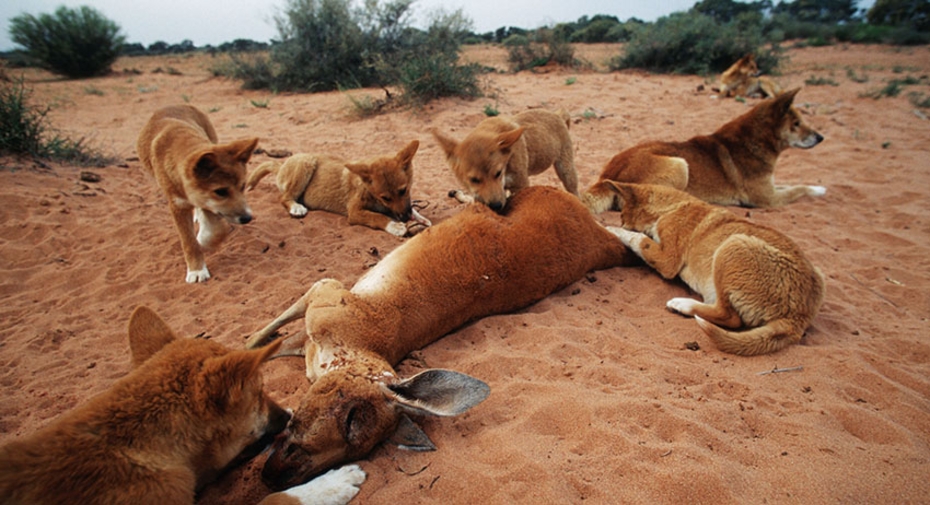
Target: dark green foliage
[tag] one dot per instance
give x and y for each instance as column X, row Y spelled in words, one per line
column 438, row 75
column 725, row 11
column 24, row 130
column 907, row 13
column 73, row 42
column 694, row 43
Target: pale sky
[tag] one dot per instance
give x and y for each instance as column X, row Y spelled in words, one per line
column 217, row 21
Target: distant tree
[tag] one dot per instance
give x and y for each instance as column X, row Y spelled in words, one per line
column 912, row 13
column 158, row 47
column 76, row 43
column 725, row 11
column 819, row 11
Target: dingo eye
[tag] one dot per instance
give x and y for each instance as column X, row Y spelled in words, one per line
column 797, row 124
column 475, row 180
column 498, row 174
column 222, row 192
column 402, row 192
column 386, row 198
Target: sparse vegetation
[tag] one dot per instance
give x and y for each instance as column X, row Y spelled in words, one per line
column 491, row 111
column 25, row 130
column 820, row 81
column 543, row 47
column 75, row 43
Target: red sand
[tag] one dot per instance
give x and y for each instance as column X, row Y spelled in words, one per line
column 594, row 395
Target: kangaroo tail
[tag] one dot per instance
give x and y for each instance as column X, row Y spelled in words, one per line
column 268, row 167
column 767, row 338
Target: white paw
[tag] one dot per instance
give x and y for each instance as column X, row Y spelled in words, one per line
column 197, row 275
column 817, row 190
column 297, row 210
column 682, row 305
column 626, row 236
column 336, row 487
column 419, row 218
column 462, row 197
column 396, row 228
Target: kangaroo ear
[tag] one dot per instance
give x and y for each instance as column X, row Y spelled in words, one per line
column 438, row 393
column 148, row 333
column 405, row 156
column 447, row 144
column 410, row 437
column 507, row 139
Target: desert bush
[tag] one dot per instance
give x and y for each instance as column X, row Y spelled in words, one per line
column 75, row 43
column 25, row 130
column 694, row 43
column 542, row 47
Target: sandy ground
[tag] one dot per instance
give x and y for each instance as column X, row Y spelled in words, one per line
column 595, row 397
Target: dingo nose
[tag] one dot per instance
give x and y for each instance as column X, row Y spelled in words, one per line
column 496, row 206
column 246, row 219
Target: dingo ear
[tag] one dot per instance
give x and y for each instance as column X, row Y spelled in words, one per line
column 625, row 193
column 783, row 101
column 362, row 170
column 243, row 149
column 507, row 139
column 405, row 156
column 205, row 165
column 148, row 333
column 447, row 144
column 438, row 393
column 225, row 377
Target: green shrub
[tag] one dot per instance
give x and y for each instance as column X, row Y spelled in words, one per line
column 24, row 130
column 435, row 76
column 73, row 42
column 694, row 43
column 545, row 46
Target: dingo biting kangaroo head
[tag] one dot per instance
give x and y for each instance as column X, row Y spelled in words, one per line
column 500, row 154
column 472, row 265
column 188, row 410
column 755, row 281
column 733, row 166
column 203, row 181
column 373, row 192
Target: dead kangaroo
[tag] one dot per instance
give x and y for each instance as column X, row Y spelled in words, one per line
column 475, row 264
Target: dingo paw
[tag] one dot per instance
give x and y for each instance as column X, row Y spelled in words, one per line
column 197, row 275
column 297, row 210
column 396, row 228
column 336, row 487
column 684, row 306
column 817, row 190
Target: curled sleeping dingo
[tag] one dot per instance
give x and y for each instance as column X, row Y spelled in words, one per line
column 760, row 291
column 203, row 181
column 733, row 166
column 373, row 193
column 188, row 410
column 498, row 157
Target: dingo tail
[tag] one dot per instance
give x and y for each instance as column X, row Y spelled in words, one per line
column 767, row 338
column 268, row 167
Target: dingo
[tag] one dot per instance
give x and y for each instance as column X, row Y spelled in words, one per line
column 733, row 166
column 374, row 193
column 190, row 409
column 743, row 79
column 753, row 279
column 203, row 180
column 500, row 154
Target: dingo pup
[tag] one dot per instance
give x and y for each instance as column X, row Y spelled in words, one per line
column 472, row 265
column 500, row 154
column 203, row 180
column 743, row 79
column 190, row 409
column 733, row 166
column 374, row 193
column 754, row 280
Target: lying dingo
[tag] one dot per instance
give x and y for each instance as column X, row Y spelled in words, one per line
column 498, row 157
column 203, row 180
column 755, row 281
column 743, row 79
column 733, row 166
column 190, row 409
column 373, row 193
column 474, row 264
